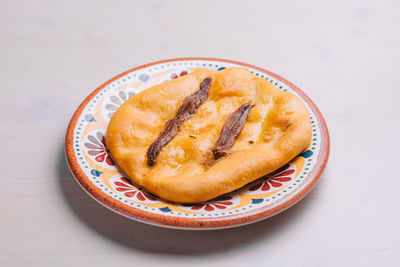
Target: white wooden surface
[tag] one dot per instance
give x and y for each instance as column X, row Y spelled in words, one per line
column 344, row 54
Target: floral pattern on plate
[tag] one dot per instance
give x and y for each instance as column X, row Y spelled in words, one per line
column 219, row 204
column 114, row 101
column 95, row 147
column 124, row 186
column 276, row 180
column 176, row 74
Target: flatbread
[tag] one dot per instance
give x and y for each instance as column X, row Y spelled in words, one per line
column 277, row 129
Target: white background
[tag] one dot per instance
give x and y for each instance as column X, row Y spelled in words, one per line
column 344, row 54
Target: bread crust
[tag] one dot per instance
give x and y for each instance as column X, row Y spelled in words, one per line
column 278, row 128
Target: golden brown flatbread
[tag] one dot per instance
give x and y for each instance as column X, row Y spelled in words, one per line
column 277, row 129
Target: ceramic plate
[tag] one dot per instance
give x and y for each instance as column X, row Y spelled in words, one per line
column 96, row 172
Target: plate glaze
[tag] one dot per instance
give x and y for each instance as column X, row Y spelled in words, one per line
column 96, row 172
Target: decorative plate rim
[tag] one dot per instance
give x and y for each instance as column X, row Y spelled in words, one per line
column 199, row 223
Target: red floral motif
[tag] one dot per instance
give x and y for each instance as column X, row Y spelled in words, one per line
column 220, row 203
column 97, row 148
column 126, row 186
column 174, row 75
column 275, row 180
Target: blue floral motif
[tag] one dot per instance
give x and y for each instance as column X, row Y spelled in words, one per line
column 143, row 77
column 89, row 117
column 96, row 172
column 306, row 154
column 256, row 200
column 165, row 209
